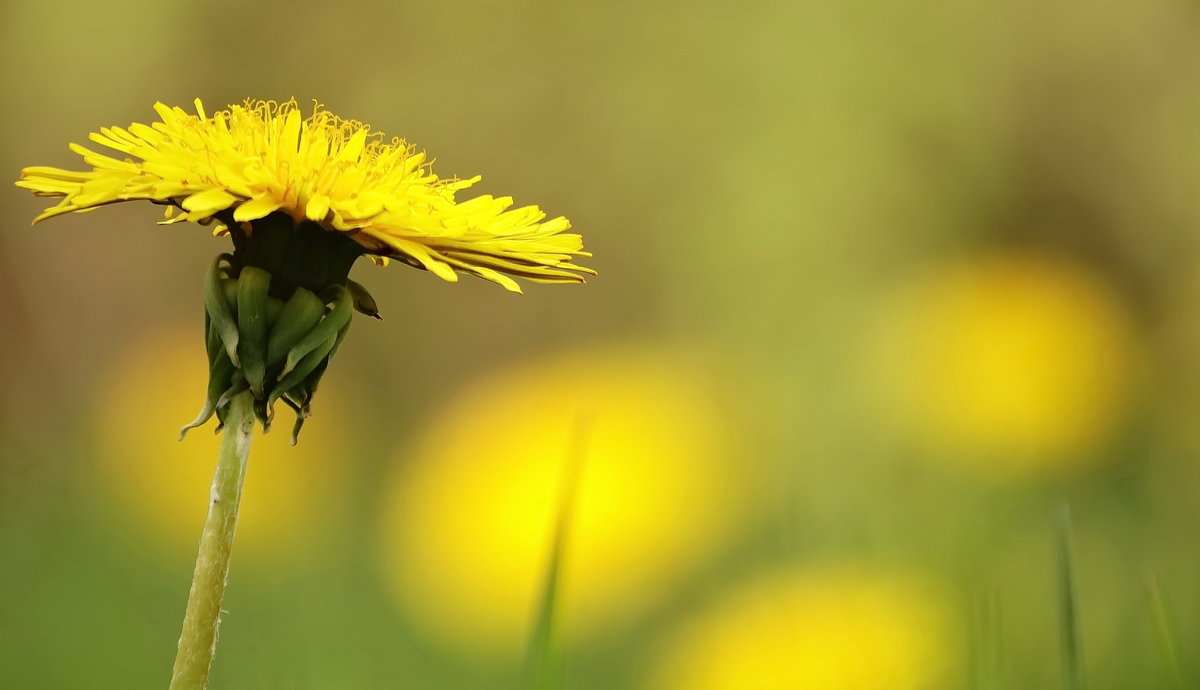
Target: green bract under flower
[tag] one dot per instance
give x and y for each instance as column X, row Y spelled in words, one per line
column 276, row 347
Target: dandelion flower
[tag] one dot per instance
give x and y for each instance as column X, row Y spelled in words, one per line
column 302, row 199
column 1006, row 364
column 261, row 158
column 836, row 628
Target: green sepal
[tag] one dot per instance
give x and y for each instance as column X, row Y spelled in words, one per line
column 308, row 388
column 300, row 417
column 300, row 397
column 230, row 288
column 212, row 339
column 263, row 414
column 307, row 365
column 300, row 314
column 220, row 374
column 217, row 305
column 205, row 414
column 267, row 333
column 364, row 303
column 253, row 286
column 274, row 309
column 324, row 332
column 237, row 385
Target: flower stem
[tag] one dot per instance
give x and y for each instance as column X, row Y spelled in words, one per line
column 198, row 641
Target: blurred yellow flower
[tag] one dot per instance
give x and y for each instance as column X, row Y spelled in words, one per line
column 250, row 161
column 1006, row 363
column 834, row 629
column 467, row 530
column 163, row 483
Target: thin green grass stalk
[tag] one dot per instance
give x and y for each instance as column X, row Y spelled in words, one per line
column 1069, row 605
column 198, row 641
column 987, row 644
column 543, row 668
column 1168, row 638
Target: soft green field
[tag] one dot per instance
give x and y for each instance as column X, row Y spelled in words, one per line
column 885, row 289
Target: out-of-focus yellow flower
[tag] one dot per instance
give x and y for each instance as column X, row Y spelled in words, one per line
column 1007, row 363
column 263, row 157
column 164, row 483
column 835, row 629
column 470, row 514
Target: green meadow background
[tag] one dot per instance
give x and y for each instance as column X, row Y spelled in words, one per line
column 884, row 288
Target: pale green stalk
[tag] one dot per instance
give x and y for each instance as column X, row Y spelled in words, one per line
column 198, row 641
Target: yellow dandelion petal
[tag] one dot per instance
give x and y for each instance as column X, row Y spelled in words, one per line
column 164, row 111
column 209, row 201
column 487, row 274
column 354, row 147
column 425, row 257
column 256, row 208
column 317, row 208
column 260, row 158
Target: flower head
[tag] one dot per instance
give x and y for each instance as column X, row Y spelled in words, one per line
column 302, row 199
column 262, row 158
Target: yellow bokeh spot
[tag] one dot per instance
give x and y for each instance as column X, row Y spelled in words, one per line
column 834, row 629
column 154, row 388
column 470, row 514
column 1007, row 362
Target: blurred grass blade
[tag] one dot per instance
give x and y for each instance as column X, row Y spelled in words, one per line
column 542, row 665
column 1069, row 604
column 1168, row 638
column 987, row 645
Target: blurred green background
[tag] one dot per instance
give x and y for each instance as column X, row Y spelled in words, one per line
column 882, row 287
